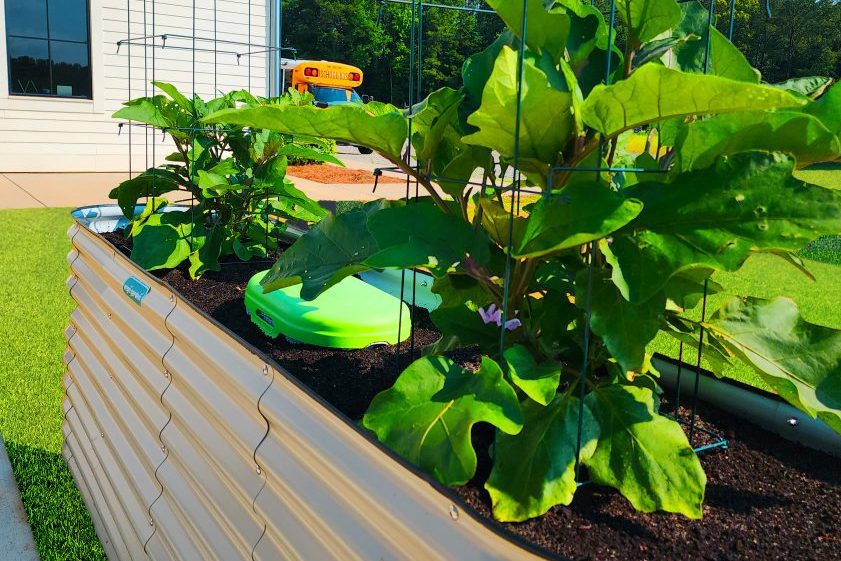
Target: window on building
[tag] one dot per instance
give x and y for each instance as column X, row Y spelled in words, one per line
column 48, row 42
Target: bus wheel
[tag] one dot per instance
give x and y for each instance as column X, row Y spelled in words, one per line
column 364, row 150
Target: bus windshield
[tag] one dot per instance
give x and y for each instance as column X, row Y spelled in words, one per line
column 325, row 94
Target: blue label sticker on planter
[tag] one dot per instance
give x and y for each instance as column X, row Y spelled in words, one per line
column 135, row 289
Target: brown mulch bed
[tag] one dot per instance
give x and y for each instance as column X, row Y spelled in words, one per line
column 767, row 498
column 326, row 173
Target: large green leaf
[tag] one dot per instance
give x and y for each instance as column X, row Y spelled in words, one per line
column 308, row 153
column 655, row 92
column 435, row 134
column 828, row 109
column 420, row 234
column 644, row 455
column 646, row 19
column 176, row 95
column 582, row 212
column 588, row 30
column 152, row 110
column 538, row 381
column 496, row 220
column 535, row 470
column 801, row 361
column 206, row 256
column 478, row 68
column 545, row 116
column 546, row 31
column 163, row 241
column 810, row 86
column 428, row 414
column 723, row 58
column 381, row 128
column 805, row 137
column 333, row 249
column 153, row 182
column 716, row 218
column 624, row 327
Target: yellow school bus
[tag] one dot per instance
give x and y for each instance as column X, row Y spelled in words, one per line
column 331, row 83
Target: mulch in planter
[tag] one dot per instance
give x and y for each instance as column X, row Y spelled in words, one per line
column 766, row 499
column 330, row 174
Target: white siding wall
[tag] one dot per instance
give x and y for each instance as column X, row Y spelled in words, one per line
column 54, row 134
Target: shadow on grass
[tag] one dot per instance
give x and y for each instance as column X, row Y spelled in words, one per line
column 60, row 522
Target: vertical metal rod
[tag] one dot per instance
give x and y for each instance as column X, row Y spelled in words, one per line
column 710, row 21
column 192, row 131
column 215, row 81
column 418, row 97
column 677, row 381
column 278, row 40
column 145, row 89
column 154, row 57
column 698, row 367
column 506, row 283
column 249, row 48
column 732, row 19
column 408, row 155
column 128, row 54
column 591, row 249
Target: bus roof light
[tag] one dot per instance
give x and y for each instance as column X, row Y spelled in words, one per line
column 309, row 71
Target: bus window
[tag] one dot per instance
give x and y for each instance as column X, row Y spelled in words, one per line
column 334, row 96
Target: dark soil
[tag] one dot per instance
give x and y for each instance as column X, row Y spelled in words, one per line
column 766, row 499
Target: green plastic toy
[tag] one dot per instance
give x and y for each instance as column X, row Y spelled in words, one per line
column 349, row 315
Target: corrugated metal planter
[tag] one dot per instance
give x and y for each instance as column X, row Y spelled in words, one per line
column 188, row 444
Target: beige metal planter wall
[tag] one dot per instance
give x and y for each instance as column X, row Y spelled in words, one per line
column 188, row 445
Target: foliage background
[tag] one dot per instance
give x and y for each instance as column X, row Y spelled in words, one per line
column 801, row 38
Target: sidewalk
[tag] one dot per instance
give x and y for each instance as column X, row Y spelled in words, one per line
column 15, row 534
column 42, row 190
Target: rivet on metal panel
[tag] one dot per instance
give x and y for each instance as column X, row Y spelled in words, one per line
column 151, row 522
column 102, row 435
column 109, row 315
column 453, row 512
column 265, row 370
column 166, row 374
column 163, row 449
column 172, row 298
column 259, row 471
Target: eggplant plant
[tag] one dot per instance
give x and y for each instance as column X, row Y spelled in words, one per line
column 234, row 177
column 624, row 240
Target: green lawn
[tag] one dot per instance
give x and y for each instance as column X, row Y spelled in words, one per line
column 34, row 310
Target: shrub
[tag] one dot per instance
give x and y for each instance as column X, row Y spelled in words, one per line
column 625, row 251
column 234, row 177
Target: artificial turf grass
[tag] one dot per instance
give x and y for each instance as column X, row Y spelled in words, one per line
column 34, row 311
column 767, row 276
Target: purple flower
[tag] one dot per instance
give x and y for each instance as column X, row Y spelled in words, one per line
column 494, row 315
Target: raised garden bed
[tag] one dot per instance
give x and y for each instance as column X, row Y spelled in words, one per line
column 757, row 490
